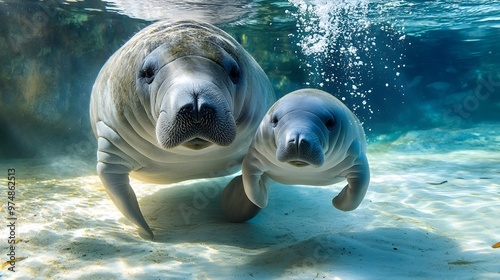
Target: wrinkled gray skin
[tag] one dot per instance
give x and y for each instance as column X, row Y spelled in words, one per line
column 180, row 100
column 308, row 137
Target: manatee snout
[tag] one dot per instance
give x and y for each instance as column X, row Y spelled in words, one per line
column 300, row 149
column 196, row 119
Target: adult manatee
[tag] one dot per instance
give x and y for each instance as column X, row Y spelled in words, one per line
column 180, row 100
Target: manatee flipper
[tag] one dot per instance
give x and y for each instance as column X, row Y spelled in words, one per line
column 118, row 188
column 113, row 167
column 255, row 181
column 358, row 179
column 236, row 206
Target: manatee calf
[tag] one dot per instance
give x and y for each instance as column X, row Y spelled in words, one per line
column 308, row 137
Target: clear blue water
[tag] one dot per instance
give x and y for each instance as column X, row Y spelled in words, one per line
column 423, row 76
column 401, row 65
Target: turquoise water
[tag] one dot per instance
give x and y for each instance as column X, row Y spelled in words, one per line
column 401, row 65
column 423, row 77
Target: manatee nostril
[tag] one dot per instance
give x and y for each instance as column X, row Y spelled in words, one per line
column 293, row 143
column 206, row 109
column 196, row 113
column 190, row 111
column 303, row 143
column 186, row 109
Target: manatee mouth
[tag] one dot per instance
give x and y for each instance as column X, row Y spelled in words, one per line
column 195, row 134
column 197, row 144
column 298, row 163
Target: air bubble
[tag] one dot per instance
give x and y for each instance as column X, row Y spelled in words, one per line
column 336, row 36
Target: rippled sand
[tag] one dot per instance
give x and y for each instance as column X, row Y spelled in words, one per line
column 431, row 212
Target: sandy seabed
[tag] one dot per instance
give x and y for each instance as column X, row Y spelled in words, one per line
column 431, row 212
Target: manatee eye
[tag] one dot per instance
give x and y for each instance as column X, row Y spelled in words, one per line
column 148, row 74
column 231, row 67
column 274, row 121
column 330, row 123
column 234, row 74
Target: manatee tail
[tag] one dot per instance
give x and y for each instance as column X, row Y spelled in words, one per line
column 118, row 188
